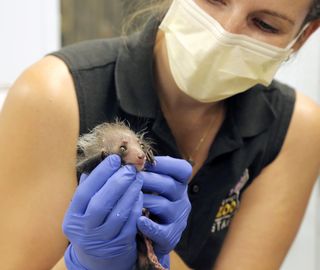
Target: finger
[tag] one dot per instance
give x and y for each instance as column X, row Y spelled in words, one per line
column 95, row 181
column 130, row 228
column 121, row 213
column 103, row 202
column 151, row 229
column 162, row 184
column 83, row 178
column 179, row 169
column 162, row 208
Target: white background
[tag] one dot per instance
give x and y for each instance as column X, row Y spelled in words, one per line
column 30, row 29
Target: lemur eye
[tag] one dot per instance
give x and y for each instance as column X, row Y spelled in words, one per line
column 142, row 146
column 123, row 149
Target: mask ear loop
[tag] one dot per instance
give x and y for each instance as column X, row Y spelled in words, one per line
column 293, row 42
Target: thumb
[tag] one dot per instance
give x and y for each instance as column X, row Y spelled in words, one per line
column 150, row 229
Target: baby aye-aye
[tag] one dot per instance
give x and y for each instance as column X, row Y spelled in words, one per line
column 117, row 138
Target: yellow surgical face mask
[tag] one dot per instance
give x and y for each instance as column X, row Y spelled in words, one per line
column 210, row 64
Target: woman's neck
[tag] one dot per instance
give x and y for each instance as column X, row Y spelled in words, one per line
column 193, row 124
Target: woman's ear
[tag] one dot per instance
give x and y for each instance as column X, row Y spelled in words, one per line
column 312, row 27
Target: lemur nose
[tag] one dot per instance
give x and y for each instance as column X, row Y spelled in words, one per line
column 141, row 155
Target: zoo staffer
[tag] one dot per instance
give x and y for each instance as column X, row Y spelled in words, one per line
column 198, row 79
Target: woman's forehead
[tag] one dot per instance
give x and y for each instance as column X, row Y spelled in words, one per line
column 294, row 10
column 299, row 5
column 292, row 6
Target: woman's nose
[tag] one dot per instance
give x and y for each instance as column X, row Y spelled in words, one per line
column 233, row 22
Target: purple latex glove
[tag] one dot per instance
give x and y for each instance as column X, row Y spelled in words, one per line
column 101, row 220
column 168, row 178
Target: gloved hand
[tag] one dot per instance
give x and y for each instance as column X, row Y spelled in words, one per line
column 168, row 178
column 101, row 220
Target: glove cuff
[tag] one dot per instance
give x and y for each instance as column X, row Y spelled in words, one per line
column 71, row 260
column 164, row 260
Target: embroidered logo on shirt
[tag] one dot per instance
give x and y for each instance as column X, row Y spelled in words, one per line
column 229, row 205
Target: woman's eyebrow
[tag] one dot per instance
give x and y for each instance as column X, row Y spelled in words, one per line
column 276, row 14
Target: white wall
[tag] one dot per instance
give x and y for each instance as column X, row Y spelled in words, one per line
column 303, row 72
column 28, row 30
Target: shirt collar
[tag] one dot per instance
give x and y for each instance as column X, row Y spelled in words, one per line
column 251, row 111
column 248, row 114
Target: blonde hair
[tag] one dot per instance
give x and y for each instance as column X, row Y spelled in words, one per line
column 139, row 12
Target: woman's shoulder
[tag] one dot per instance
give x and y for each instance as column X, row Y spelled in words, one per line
column 44, row 90
column 303, row 136
column 306, row 119
column 291, row 118
column 47, row 79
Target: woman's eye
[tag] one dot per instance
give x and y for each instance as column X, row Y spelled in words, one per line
column 264, row 26
column 221, row 2
column 123, row 149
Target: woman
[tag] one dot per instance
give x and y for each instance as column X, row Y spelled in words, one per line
column 199, row 84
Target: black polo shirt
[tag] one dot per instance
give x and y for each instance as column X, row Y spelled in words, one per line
column 114, row 79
